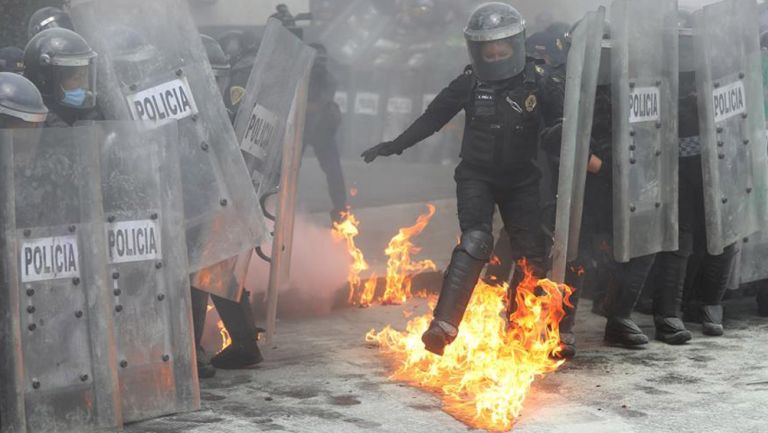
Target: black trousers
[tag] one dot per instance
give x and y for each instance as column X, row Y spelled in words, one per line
column 479, row 194
column 707, row 275
column 328, row 157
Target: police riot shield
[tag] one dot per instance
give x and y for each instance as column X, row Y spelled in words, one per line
column 644, row 87
column 356, row 28
column 153, row 68
column 59, row 366
column 269, row 127
column 732, row 122
column 580, row 87
column 147, row 265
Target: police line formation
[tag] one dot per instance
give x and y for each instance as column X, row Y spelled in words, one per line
column 135, row 179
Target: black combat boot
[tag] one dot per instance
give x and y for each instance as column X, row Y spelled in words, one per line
column 467, row 262
column 575, row 279
column 667, row 290
column 626, row 286
column 239, row 321
column 712, row 320
column 671, row 330
column 715, row 270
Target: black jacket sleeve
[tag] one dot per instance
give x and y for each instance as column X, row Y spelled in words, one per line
column 446, row 104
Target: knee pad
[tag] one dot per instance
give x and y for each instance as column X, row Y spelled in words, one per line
column 477, row 243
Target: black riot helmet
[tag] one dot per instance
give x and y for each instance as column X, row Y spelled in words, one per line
column 48, row 18
column 547, row 47
column 495, row 36
column 21, row 104
column 62, row 65
column 219, row 62
column 12, row 60
column 232, row 42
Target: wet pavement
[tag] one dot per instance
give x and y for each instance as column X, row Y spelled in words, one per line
column 321, row 376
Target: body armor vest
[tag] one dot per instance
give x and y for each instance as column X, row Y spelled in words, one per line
column 503, row 123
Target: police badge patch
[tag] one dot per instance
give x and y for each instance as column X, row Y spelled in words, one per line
column 531, row 102
column 236, row 93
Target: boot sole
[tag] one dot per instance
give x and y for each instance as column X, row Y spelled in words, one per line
column 618, row 342
column 434, row 344
column 713, row 332
column 676, row 339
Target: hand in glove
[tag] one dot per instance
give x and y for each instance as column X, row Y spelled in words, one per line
column 386, row 148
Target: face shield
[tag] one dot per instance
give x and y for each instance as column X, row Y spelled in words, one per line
column 498, row 59
column 495, row 36
column 74, row 81
column 134, row 66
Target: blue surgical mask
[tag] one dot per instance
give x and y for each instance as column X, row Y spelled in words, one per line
column 74, row 98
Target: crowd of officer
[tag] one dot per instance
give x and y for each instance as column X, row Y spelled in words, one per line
column 513, row 94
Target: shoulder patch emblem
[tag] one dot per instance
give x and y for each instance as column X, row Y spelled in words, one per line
column 531, row 103
column 236, row 93
column 559, row 44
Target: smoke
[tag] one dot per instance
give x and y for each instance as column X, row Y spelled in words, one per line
column 318, row 272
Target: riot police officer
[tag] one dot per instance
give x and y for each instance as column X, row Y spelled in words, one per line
column 704, row 276
column 62, row 66
column 597, row 215
column 21, row 104
column 48, row 18
column 322, row 124
column 237, row 317
column 500, row 93
column 670, row 268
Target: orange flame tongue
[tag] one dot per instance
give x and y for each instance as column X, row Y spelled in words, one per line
column 347, row 230
column 226, row 340
column 484, row 376
column 400, row 268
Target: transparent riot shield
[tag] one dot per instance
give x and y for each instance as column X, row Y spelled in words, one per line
column 644, row 87
column 580, row 87
column 147, row 266
column 732, row 122
column 356, row 28
column 59, row 366
column 269, row 127
column 153, row 68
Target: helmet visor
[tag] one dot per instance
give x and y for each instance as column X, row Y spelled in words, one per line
column 75, row 86
column 498, row 60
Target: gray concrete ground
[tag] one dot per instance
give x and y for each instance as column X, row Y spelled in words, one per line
column 321, row 376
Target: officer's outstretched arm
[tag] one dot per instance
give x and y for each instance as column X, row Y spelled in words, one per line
column 445, row 106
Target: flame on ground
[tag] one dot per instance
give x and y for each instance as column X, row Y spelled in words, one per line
column 400, row 268
column 485, row 374
column 347, row 230
column 226, row 340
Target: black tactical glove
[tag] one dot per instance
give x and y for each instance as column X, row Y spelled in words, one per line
column 386, row 148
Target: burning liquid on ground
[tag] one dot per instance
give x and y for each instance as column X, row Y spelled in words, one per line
column 401, row 268
column 485, row 374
